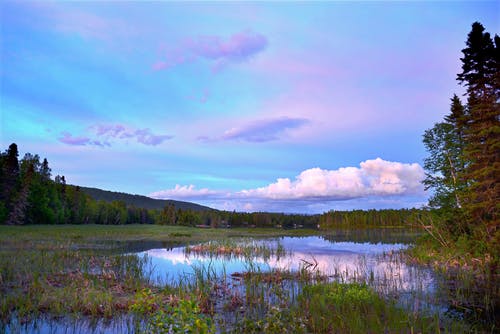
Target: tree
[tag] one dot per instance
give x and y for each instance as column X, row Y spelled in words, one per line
column 480, row 75
column 45, row 170
column 9, row 177
column 445, row 144
column 463, row 167
column 445, row 163
column 18, row 209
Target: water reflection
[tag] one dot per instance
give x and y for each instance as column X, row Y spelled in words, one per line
column 377, row 263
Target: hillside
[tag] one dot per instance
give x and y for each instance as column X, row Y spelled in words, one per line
column 140, row 201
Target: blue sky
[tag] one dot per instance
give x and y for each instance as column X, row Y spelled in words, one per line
column 248, row 106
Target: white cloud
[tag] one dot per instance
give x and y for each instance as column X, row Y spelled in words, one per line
column 373, row 180
column 184, row 192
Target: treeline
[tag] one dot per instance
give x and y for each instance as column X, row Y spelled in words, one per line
column 140, row 201
column 463, row 167
column 371, row 218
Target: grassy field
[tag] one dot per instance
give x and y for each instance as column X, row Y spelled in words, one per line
column 63, row 235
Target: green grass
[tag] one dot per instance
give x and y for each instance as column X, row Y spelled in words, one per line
column 468, row 280
column 95, row 235
column 247, row 248
column 356, row 308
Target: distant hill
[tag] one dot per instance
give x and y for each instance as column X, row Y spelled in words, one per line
column 140, row 201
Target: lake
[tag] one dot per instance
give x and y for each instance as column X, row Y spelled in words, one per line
column 339, row 260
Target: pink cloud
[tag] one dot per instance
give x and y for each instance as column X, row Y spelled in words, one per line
column 237, row 48
column 110, row 130
column 264, row 130
column 119, row 131
column 104, row 134
column 146, row 137
column 68, row 139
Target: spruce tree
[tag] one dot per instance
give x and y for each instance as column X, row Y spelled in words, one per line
column 10, row 174
column 480, row 76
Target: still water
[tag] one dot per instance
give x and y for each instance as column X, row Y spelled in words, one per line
column 339, row 260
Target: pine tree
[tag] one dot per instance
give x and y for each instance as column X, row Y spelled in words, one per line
column 45, row 170
column 480, row 75
column 10, row 174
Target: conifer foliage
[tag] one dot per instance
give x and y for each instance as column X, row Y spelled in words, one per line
column 463, row 167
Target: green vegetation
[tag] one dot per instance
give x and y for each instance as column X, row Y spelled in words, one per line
column 464, row 161
column 370, row 218
column 356, row 308
column 140, row 201
column 247, row 248
column 463, row 167
column 172, row 316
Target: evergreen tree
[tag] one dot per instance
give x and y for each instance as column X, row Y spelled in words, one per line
column 19, row 205
column 480, row 75
column 45, row 170
column 9, row 177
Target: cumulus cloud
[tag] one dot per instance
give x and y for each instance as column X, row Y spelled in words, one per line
column 103, row 134
column 237, row 48
column 373, row 178
column 315, row 189
column 260, row 130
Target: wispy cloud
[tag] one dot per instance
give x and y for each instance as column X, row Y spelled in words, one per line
column 146, row 137
column 67, row 138
column 264, row 130
column 103, row 134
column 185, row 192
column 373, row 180
column 237, row 48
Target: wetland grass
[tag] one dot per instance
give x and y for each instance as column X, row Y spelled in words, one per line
column 238, row 248
column 73, row 273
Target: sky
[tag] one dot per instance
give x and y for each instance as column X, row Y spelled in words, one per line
column 298, row 107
